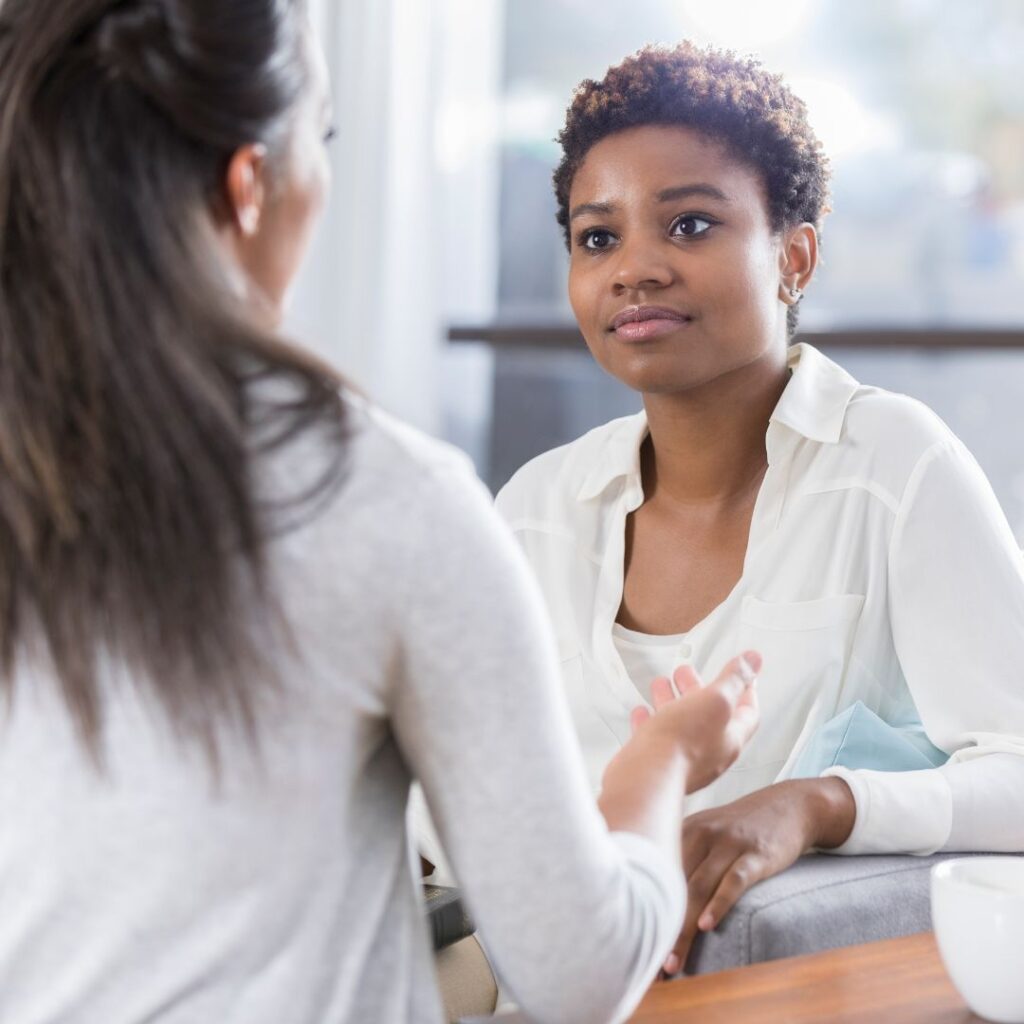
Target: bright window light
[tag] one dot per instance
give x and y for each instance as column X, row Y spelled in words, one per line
column 844, row 125
column 745, row 24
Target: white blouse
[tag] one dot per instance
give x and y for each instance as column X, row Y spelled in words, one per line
column 879, row 568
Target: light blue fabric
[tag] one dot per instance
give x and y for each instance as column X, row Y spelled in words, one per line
column 858, row 738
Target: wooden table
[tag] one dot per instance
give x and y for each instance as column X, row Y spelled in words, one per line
column 899, row 981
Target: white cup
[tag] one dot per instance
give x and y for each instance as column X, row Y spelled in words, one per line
column 978, row 916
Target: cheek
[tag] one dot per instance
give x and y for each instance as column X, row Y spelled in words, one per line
column 750, row 287
column 574, row 294
column 276, row 256
column 310, row 182
column 582, row 287
column 302, row 204
column 586, row 290
column 320, row 183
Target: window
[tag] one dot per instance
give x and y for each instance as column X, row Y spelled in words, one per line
column 920, row 105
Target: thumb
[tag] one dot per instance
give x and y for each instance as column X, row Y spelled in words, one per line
column 738, row 676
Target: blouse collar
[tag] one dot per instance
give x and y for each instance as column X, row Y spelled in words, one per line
column 812, row 405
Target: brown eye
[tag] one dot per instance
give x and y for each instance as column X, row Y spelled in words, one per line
column 597, row 238
column 691, row 226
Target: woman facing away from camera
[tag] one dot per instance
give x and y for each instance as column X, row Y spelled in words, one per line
column 765, row 499
column 240, row 610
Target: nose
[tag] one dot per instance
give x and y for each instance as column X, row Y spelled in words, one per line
column 640, row 266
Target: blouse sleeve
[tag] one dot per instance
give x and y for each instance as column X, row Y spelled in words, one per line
column 576, row 920
column 956, row 585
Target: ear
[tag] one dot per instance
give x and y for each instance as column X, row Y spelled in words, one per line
column 245, row 188
column 798, row 259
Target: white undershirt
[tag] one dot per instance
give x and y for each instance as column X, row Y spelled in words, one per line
column 647, row 656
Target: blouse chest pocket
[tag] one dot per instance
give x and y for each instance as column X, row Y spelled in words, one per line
column 805, row 646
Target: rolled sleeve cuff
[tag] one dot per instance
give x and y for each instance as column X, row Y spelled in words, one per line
column 897, row 812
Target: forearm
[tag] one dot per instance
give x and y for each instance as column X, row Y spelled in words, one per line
column 643, row 791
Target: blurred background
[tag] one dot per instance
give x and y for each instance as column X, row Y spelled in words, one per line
column 438, row 279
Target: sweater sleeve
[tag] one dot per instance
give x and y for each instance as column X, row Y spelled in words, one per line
column 956, row 581
column 576, row 921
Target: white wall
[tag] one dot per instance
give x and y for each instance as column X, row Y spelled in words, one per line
column 407, row 242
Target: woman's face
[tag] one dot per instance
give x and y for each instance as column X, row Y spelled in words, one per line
column 274, row 223
column 676, row 277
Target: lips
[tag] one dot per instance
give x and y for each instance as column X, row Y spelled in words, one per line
column 637, row 314
column 638, row 323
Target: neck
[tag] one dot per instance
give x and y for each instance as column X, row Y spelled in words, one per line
column 707, row 444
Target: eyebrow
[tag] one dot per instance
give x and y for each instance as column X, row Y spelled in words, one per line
column 668, row 195
column 671, row 195
column 598, row 208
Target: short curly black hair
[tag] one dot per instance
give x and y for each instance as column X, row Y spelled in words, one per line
column 728, row 98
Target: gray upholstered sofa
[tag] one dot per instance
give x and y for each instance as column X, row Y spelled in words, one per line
column 822, row 902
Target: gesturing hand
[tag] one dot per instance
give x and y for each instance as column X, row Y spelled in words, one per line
column 710, row 723
column 687, row 741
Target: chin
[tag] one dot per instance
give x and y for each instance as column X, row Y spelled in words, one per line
column 659, row 373
column 678, row 371
column 663, row 386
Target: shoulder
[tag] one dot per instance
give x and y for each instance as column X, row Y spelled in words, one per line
column 395, row 485
column 894, row 435
column 387, row 439
column 902, row 425
column 557, row 478
column 887, row 440
column 854, row 435
column 825, row 404
column 395, row 458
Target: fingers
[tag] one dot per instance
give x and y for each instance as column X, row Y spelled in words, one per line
column 754, row 661
column 744, row 872
column 700, row 887
column 637, row 717
column 717, row 892
column 746, row 718
column 749, row 696
column 686, row 680
column 738, row 676
column 676, row 960
column 661, row 693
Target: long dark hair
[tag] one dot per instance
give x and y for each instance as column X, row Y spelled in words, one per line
column 138, row 395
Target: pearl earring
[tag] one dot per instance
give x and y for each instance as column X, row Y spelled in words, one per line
column 250, row 220
column 795, row 293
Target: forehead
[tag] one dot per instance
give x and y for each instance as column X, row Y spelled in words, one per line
column 636, row 163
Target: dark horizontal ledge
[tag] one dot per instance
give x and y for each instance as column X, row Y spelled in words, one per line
column 567, row 336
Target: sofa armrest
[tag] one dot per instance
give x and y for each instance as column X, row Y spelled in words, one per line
column 822, row 902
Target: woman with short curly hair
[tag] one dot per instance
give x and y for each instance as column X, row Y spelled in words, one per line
column 731, row 99
column 764, row 499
